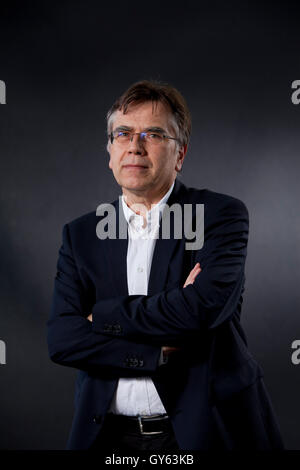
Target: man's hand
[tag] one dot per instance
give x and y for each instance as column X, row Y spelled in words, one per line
column 189, row 280
column 90, row 317
column 193, row 274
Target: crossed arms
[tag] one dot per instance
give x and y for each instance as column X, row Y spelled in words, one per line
column 149, row 322
column 167, row 350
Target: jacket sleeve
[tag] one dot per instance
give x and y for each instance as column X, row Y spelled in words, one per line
column 183, row 313
column 71, row 339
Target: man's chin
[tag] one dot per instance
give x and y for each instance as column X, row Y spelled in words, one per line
column 135, row 185
column 135, row 188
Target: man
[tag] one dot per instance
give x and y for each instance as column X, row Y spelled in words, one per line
column 153, row 327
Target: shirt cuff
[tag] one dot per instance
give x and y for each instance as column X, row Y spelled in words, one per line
column 163, row 358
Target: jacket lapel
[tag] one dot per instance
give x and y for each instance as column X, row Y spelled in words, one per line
column 164, row 248
column 116, row 251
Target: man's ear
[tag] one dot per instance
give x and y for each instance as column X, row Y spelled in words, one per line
column 180, row 157
column 110, row 163
column 108, row 149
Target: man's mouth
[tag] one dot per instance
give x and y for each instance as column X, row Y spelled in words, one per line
column 135, row 166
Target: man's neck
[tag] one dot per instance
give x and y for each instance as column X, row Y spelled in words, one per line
column 141, row 202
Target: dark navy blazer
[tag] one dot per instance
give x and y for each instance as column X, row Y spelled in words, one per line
column 213, row 388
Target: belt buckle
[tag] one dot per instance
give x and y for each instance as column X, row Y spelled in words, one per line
column 144, row 432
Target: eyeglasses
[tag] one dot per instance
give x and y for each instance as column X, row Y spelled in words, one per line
column 123, row 137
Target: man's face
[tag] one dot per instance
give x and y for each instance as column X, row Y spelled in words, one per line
column 141, row 167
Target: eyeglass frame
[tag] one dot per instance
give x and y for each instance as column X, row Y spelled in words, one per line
column 164, row 136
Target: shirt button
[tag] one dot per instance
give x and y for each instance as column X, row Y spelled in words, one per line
column 140, row 270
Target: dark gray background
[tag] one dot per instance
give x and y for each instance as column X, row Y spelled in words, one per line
column 64, row 64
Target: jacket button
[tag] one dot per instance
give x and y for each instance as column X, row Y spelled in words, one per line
column 97, row 419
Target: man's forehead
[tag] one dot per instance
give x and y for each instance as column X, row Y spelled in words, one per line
column 146, row 114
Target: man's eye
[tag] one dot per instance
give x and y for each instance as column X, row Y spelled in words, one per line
column 123, row 134
column 154, row 136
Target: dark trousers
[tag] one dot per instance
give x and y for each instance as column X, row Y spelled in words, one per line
column 116, row 439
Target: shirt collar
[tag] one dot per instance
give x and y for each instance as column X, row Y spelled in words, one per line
column 151, row 215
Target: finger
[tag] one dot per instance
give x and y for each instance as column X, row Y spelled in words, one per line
column 195, row 274
column 195, row 268
column 194, row 271
column 191, row 278
column 198, row 271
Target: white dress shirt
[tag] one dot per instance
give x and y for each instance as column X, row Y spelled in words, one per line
column 138, row 396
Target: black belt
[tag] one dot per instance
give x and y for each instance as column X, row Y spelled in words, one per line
column 146, row 425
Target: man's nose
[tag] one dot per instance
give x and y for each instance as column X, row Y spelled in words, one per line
column 136, row 144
